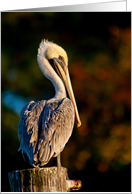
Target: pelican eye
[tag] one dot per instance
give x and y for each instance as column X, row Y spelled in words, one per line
column 61, row 61
column 61, row 58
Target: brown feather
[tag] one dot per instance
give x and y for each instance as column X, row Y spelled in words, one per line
column 44, row 129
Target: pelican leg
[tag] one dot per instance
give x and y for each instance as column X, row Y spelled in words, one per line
column 58, row 161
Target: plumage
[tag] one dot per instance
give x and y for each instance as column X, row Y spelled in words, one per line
column 46, row 126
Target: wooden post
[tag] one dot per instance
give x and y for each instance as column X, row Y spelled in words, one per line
column 52, row 179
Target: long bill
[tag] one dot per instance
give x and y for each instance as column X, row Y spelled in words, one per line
column 67, row 82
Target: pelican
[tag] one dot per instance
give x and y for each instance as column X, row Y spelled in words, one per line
column 46, row 126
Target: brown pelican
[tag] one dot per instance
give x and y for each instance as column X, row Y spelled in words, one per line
column 46, row 126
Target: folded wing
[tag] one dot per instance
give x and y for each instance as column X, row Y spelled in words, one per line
column 44, row 129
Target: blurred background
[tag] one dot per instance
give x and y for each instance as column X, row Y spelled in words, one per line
column 99, row 50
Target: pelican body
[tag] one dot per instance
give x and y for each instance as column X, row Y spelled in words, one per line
column 46, row 126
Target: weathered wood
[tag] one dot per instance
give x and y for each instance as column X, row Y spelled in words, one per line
column 53, row 179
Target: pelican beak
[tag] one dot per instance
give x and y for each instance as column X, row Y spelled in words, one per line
column 62, row 70
column 71, row 95
column 66, row 79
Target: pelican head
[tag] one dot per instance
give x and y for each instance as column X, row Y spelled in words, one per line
column 53, row 62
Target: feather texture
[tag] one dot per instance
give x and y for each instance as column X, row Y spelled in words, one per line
column 44, row 129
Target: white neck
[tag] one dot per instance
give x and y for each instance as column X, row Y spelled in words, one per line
column 48, row 71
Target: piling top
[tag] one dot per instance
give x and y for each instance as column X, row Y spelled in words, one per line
column 51, row 179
